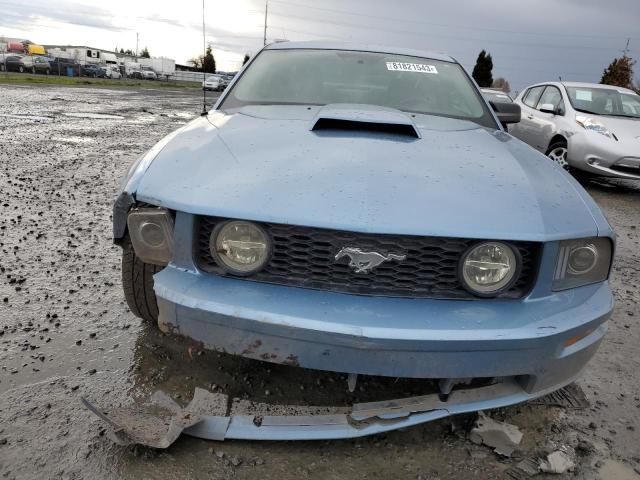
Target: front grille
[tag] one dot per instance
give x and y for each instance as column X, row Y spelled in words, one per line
column 305, row 257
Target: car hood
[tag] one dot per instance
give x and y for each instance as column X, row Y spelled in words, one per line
column 623, row 128
column 457, row 179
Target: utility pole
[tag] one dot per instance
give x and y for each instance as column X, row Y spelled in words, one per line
column 266, row 11
column 137, row 36
column 625, row 52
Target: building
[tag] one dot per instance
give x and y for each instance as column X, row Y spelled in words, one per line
column 89, row 55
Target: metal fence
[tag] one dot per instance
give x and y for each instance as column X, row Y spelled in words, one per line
column 188, row 76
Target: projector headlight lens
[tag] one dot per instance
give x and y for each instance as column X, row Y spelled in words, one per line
column 582, row 261
column 489, row 268
column 241, row 248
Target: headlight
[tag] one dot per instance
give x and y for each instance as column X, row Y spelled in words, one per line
column 151, row 233
column 593, row 125
column 240, row 247
column 582, row 262
column 489, row 268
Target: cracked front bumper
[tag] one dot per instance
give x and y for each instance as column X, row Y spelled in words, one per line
column 530, row 340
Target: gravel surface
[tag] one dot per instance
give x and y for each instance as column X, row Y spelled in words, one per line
column 65, row 331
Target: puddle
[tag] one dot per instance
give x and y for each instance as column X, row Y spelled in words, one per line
column 73, row 140
column 25, row 116
column 185, row 115
column 93, row 116
column 618, row 471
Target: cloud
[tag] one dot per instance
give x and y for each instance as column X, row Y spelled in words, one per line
column 38, row 12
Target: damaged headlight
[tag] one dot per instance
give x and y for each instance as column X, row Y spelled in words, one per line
column 239, row 247
column 489, row 268
column 593, row 125
column 151, row 233
column 582, row 262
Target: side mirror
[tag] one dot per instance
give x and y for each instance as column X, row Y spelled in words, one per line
column 548, row 108
column 506, row 112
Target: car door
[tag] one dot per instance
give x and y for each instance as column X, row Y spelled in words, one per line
column 544, row 124
column 525, row 129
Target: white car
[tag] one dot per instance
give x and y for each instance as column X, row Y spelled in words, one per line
column 148, row 74
column 212, row 82
column 112, row 71
column 584, row 126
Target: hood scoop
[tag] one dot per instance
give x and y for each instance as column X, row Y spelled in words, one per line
column 364, row 118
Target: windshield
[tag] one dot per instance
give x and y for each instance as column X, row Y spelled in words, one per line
column 321, row 77
column 604, row 101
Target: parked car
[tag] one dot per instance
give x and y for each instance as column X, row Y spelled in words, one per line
column 148, row 73
column 590, row 127
column 496, row 95
column 362, row 210
column 145, row 73
column 41, row 65
column 16, row 63
column 92, row 70
column 61, row 66
column 213, row 83
column 24, row 64
column 112, row 71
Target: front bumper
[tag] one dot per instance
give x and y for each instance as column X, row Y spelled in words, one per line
column 419, row 338
column 597, row 154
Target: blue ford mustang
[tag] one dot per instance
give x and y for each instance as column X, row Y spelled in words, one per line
column 363, row 210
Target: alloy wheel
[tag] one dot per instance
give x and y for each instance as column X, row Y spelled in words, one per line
column 559, row 155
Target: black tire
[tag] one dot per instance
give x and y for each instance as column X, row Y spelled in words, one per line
column 137, row 283
column 555, row 154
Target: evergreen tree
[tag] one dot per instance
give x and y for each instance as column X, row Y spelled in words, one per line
column 209, row 63
column 482, row 71
column 619, row 73
column 145, row 53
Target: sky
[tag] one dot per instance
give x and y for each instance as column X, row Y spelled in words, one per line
column 530, row 40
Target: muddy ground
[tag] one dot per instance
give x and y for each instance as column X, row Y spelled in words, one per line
column 65, row 331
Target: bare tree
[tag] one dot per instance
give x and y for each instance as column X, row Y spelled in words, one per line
column 197, row 61
column 502, row 84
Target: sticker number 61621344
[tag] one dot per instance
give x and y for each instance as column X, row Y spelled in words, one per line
column 411, row 67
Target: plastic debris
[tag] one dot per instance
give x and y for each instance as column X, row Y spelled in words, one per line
column 159, row 421
column 502, row 437
column 557, row 462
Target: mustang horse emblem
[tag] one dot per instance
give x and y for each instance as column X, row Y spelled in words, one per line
column 364, row 262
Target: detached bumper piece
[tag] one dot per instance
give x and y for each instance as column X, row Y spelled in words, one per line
column 213, row 416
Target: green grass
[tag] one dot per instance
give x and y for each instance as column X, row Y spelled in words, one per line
column 12, row 78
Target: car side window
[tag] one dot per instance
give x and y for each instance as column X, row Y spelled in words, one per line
column 532, row 96
column 553, row 97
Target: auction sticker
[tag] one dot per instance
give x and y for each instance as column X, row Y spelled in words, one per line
column 411, row 67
